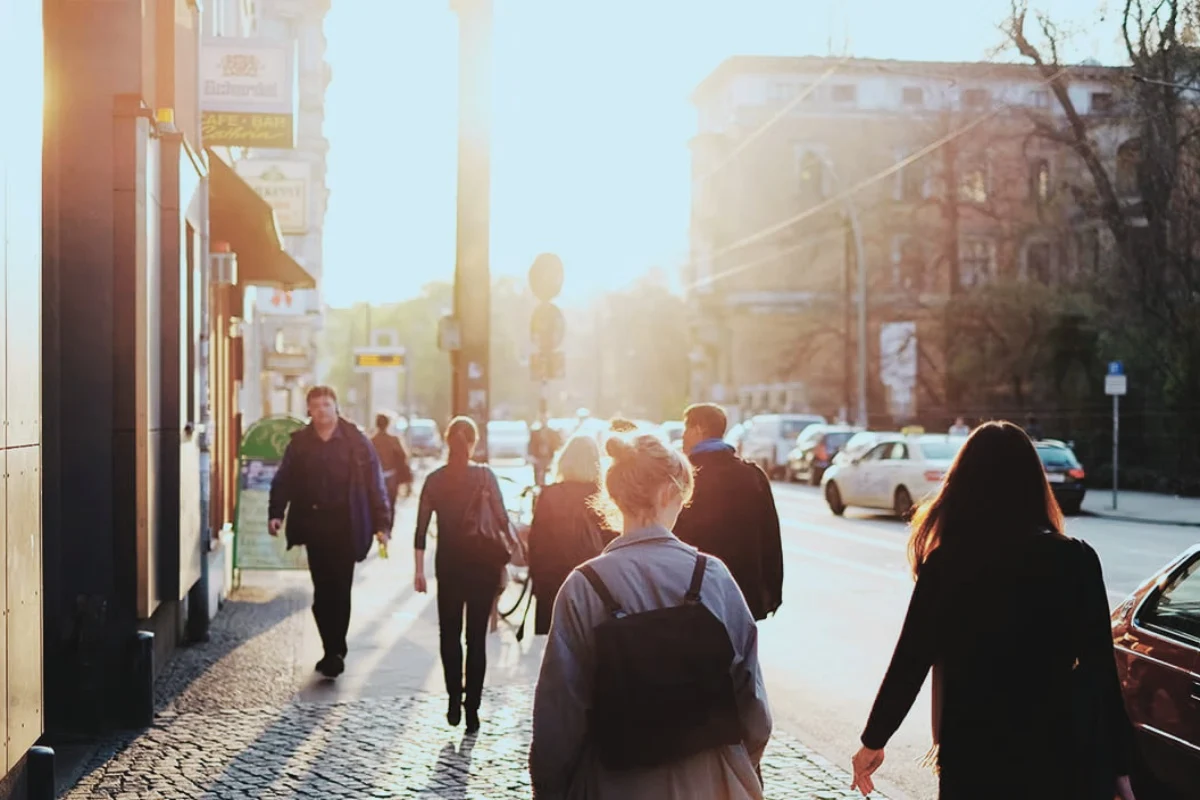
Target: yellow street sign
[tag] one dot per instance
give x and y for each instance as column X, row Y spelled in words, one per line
column 378, row 360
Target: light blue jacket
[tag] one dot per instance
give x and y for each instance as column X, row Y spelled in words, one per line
column 643, row 578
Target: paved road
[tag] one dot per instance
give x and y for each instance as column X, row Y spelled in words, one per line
column 845, row 594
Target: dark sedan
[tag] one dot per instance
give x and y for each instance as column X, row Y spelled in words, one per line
column 1156, row 636
column 815, row 449
column 1065, row 474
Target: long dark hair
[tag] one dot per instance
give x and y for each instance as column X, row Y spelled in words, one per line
column 461, row 436
column 996, row 486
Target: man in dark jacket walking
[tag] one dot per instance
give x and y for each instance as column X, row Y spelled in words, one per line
column 732, row 514
column 393, row 458
column 331, row 488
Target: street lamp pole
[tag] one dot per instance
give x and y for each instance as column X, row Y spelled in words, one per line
column 861, row 418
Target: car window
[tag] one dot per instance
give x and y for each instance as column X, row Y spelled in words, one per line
column 1057, row 457
column 899, row 452
column 791, row 428
column 810, row 436
column 878, row 452
column 837, row 440
column 941, row 450
column 1176, row 611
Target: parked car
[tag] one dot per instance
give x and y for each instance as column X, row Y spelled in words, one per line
column 769, row 439
column 1065, row 474
column 424, row 439
column 508, row 440
column 815, row 450
column 735, row 435
column 860, row 443
column 1156, row 636
column 672, row 431
column 895, row 474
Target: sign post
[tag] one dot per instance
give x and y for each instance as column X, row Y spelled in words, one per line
column 259, row 456
column 1115, row 385
column 547, row 327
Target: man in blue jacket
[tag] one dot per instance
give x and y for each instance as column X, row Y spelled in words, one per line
column 331, row 487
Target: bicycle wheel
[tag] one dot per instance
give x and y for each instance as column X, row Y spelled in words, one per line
column 525, row 586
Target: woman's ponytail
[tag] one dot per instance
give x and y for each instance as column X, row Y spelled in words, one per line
column 461, row 436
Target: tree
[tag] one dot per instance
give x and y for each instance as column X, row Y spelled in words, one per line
column 1146, row 194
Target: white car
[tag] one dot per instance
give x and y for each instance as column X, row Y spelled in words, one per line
column 895, row 474
column 508, row 440
column 672, row 433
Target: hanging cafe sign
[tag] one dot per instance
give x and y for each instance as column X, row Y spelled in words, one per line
column 247, row 93
column 284, row 185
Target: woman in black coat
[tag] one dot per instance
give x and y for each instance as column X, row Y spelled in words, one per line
column 1013, row 618
column 566, row 530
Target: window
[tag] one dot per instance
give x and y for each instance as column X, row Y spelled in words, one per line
column 1176, row 611
column 879, row 453
column 1129, row 156
column 912, row 96
column 899, row 452
column 973, row 181
column 845, row 93
column 1102, row 102
column 1038, row 262
column 780, row 91
column 1039, row 98
column 976, row 98
column 976, row 261
column 910, row 179
column 811, row 177
column 908, row 271
column 1039, row 180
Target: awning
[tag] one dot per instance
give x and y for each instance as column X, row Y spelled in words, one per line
column 238, row 216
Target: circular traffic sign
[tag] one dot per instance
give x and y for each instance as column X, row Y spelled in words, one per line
column 547, row 326
column 546, row 277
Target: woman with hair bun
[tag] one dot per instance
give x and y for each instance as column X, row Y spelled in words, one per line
column 467, row 571
column 645, row 569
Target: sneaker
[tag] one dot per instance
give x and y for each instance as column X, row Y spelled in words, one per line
column 331, row 666
column 472, row 720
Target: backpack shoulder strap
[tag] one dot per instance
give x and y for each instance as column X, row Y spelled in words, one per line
column 610, row 602
column 693, row 592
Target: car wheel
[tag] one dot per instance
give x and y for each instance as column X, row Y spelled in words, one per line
column 833, row 497
column 814, row 476
column 902, row 503
column 1073, row 508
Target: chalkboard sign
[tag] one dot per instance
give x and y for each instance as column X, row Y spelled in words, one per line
column 259, row 457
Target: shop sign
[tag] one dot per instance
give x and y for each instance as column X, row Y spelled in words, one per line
column 284, row 185
column 247, row 92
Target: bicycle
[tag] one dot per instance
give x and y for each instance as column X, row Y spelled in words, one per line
column 518, row 569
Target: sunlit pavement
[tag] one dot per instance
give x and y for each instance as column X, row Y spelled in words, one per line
column 244, row 716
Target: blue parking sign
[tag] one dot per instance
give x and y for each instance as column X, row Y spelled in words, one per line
column 1116, row 368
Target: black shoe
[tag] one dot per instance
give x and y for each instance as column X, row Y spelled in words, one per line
column 331, row 666
column 454, row 712
column 472, row 720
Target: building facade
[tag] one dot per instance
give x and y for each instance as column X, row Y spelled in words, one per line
column 935, row 172
column 281, row 325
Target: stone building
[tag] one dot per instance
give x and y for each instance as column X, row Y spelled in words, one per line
column 939, row 171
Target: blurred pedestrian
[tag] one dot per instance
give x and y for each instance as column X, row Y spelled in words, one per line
column 467, row 564
column 732, row 514
column 543, row 444
column 394, row 460
column 330, row 487
column 960, row 427
column 618, row 714
column 1012, row 617
column 567, row 528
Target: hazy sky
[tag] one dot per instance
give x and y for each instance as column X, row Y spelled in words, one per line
column 591, row 121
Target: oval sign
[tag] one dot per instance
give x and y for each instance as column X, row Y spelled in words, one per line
column 546, row 277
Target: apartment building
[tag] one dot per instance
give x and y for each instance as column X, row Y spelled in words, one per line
column 935, row 171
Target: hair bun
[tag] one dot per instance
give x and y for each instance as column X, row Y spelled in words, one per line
column 618, row 448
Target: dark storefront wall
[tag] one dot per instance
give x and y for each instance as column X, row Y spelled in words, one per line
column 119, row 278
column 20, row 308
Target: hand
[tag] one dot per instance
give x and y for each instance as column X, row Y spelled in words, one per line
column 1124, row 789
column 274, row 526
column 420, row 584
column 383, row 537
column 866, row 761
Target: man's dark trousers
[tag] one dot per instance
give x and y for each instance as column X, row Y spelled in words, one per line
column 331, row 565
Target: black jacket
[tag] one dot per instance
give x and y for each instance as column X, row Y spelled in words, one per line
column 565, row 532
column 732, row 516
column 1013, row 621
column 368, row 502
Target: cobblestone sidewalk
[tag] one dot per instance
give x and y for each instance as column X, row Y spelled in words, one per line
column 236, row 722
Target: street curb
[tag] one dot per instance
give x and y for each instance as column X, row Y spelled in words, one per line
column 1139, row 520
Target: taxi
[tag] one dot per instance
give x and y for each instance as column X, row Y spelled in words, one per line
column 900, row 470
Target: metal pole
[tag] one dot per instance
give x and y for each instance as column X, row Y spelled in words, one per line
column 1116, row 439
column 369, row 394
column 472, row 278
